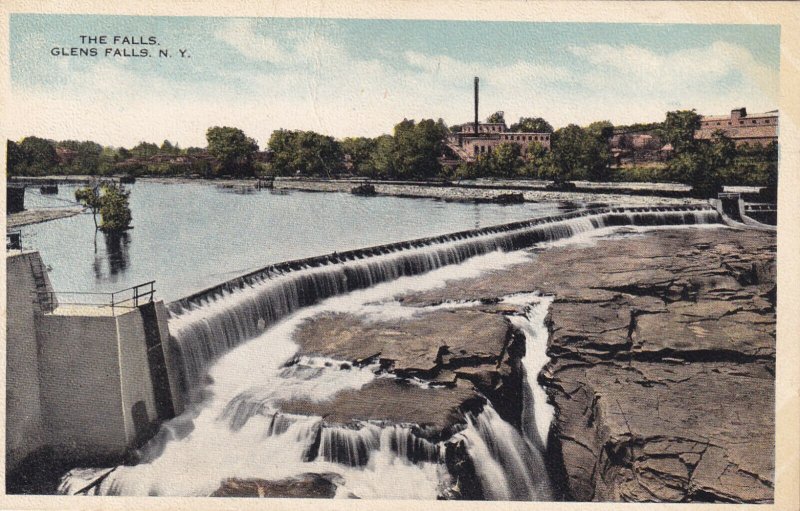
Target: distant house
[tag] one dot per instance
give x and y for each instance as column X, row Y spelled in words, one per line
column 741, row 127
column 490, row 135
column 65, row 156
column 632, row 147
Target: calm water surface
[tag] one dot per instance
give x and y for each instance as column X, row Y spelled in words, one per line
column 188, row 237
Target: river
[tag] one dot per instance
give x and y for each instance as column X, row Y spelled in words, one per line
column 190, row 236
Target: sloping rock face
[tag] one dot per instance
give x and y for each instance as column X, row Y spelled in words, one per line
column 460, row 354
column 663, row 362
column 667, row 392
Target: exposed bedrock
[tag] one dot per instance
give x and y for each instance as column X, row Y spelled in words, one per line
column 663, row 362
column 463, row 352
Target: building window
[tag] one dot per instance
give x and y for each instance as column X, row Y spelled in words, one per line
column 754, row 121
column 741, row 122
column 729, row 123
column 475, row 149
column 766, row 121
column 717, row 124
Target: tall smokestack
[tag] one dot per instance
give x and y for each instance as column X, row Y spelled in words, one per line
column 476, row 105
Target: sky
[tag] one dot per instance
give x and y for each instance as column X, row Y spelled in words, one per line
column 349, row 77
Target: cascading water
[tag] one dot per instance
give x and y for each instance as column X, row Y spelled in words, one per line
column 508, row 466
column 204, row 327
column 537, row 414
column 237, row 429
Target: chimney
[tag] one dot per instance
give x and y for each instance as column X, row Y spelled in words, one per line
column 476, row 105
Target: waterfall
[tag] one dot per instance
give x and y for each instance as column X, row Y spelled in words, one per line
column 537, row 413
column 508, row 466
column 208, row 324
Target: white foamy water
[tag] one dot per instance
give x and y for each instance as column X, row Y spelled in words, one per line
column 537, row 413
column 234, row 428
column 232, row 433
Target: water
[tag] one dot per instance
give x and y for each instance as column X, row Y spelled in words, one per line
column 233, row 430
column 191, row 236
column 204, row 330
column 235, row 427
column 537, row 413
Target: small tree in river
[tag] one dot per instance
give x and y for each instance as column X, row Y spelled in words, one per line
column 111, row 201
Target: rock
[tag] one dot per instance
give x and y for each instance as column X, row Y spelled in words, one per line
column 436, row 410
column 663, row 349
column 307, row 486
column 464, row 351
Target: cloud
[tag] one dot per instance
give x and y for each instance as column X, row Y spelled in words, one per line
column 315, row 84
column 708, row 76
column 241, row 35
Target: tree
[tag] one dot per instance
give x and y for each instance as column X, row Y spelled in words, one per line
column 39, row 156
column 505, row 159
column 233, row 150
column 114, row 209
column 382, row 160
column 497, row 117
column 89, row 196
column 538, row 162
column 111, row 201
column 15, row 158
column 531, row 125
column 359, row 150
column 144, row 150
column 679, row 129
column 568, row 145
column 305, row 152
column 596, row 153
column 417, row 147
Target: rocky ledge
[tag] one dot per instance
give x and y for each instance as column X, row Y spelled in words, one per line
column 663, row 363
column 438, row 363
column 662, row 367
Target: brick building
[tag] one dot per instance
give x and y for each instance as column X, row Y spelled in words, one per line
column 741, row 127
column 491, row 135
column 475, row 138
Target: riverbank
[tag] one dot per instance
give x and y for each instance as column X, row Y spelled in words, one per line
column 35, row 216
column 635, row 194
column 662, row 367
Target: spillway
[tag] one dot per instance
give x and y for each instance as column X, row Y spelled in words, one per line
column 207, row 324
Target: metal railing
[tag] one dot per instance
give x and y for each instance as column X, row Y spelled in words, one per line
column 125, row 299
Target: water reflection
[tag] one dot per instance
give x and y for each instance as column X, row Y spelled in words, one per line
column 107, row 265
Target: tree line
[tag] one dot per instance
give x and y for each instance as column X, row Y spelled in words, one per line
column 414, row 150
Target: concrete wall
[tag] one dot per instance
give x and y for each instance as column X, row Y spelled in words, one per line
column 80, row 385
column 24, row 426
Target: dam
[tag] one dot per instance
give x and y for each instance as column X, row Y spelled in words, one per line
column 193, row 359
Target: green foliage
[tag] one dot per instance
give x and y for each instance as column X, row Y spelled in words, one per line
column 306, row 153
column 144, row 150
column 114, row 209
column 15, row 158
column 679, row 128
column 417, row 147
column 233, row 150
column 539, row 163
column 531, row 125
column 359, row 150
column 496, row 117
column 35, row 157
column 567, row 148
column 641, row 174
column 111, row 201
column 505, row 160
column 382, row 159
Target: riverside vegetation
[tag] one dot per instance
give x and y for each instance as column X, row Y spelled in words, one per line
column 413, row 152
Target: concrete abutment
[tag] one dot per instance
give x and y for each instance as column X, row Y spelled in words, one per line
column 82, row 383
